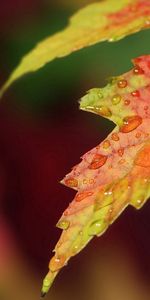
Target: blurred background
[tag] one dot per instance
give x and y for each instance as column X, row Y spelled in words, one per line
column 42, row 135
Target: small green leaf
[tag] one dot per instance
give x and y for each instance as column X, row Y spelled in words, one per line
column 107, row 20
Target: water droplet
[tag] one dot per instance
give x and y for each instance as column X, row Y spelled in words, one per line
column 110, row 167
column 80, row 232
column 114, row 38
column 133, row 8
column 56, row 263
column 108, row 193
column 95, row 92
column 138, row 135
column 63, row 224
column 101, row 110
column 139, row 202
column 121, row 161
column 104, row 111
column 112, row 80
column 97, row 228
column 130, row 123
column 138, row 71
column 121, row 152
column 135, row 94
column 122, row 83
column 116, row 99
column 146, row 180
column 91, row 181
column 85, row 181
column 75, row 249
column 46, row 282
column 81, row 196
column 106, row 144
column 146, row 134
column 71, row 182
column 115, row 137
column 126, row 102
column 100, row 95
column 98, row 161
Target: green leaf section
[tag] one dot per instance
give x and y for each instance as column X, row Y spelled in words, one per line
column 107, row 20
column 114, row 174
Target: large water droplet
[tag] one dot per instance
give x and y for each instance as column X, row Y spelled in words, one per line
column 101, row 110
column 71, row 182
column 104, row 111
column 130, row 123
column 98, row 161
column 81, row 196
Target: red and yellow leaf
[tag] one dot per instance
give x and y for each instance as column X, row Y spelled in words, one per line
column 114, row 174
column 104, row 20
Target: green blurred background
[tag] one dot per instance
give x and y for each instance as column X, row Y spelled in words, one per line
column 42, row 135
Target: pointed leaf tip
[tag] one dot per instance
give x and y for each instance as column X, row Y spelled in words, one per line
column 48, row 280
column 43, row 295
column 100, row 21
column 114, row 174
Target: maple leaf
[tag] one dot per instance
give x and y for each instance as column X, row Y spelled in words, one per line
column 107, row 20
column 114, row 174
